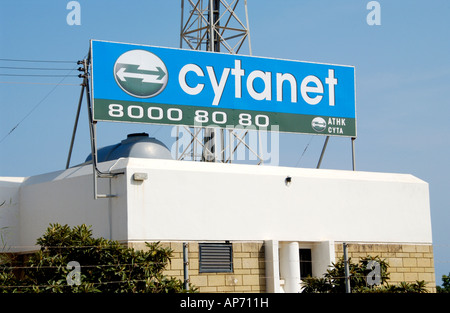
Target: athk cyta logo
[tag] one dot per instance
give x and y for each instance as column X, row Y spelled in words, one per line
column 140, row 73
column 318, row 124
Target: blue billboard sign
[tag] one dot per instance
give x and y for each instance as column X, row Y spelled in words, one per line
column 148, row 84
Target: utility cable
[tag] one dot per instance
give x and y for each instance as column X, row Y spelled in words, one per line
column 37, row 61
column 306, row 148
column 35, row 68
column 33, row 83
column 38, row 75
column 37, row 105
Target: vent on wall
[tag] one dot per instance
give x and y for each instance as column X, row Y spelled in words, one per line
column 215, row 257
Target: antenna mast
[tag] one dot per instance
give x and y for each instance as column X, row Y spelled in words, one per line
column 214, row 25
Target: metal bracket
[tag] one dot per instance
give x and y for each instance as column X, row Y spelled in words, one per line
column 92, row 130
column 325, row 146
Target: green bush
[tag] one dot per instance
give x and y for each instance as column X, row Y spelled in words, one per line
column 445, row 285
column 105, row 266
column 333, row 280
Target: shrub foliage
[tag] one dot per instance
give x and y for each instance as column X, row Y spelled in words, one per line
column 104, row 266
column 333, row 280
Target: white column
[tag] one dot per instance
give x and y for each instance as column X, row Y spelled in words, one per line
column 323, row 255
column 290, row 266
column 272, row 266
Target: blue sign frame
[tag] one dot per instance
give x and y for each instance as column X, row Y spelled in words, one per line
column 148, row 84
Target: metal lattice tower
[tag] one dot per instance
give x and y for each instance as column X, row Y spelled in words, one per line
column 215, row 25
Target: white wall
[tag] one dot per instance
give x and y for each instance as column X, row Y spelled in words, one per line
column 213, row 201
column 9, row 213
column 66, row 197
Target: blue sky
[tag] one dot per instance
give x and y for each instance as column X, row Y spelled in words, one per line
column 402, row 83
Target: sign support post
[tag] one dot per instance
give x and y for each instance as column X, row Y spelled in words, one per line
column 92, row 130
column 325, row 146
column 353, row 154
column 75, row 126
column 323, row 151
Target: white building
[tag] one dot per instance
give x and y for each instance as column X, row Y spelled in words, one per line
column 262, row 218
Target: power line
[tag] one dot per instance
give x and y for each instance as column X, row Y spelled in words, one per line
column 35, row 68
column 36, row 106
column 33, row 83
column 304, row 151
column 37, row 75
column 40, row 267
column 89, row 282
column 37, row 61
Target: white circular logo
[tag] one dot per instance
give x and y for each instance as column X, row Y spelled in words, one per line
column 140, row 73
column 318, row 124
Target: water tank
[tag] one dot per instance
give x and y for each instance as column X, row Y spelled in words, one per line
column 138, row 145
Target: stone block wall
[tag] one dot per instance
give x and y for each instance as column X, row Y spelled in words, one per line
column 248, row 268
column 407, row 263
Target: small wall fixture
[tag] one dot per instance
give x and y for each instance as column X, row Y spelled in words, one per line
column 140, row 176
column 288, row 180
